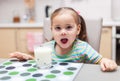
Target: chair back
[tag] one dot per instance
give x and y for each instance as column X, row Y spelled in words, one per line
column 94, row 28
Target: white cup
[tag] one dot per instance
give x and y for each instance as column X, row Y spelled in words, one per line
column 43, row 57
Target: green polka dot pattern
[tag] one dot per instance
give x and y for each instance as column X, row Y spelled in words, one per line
column 32, row 61
column 27, row 70
column 68, row 73
column 13, row 73
column 50, row 76
column 7, row 63
column 31, row 79
column 32, row 69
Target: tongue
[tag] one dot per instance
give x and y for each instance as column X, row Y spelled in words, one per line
column 64, row 41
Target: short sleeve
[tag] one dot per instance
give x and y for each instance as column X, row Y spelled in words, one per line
column 91, row 55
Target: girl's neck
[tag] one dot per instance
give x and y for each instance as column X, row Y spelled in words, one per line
column 62, row 51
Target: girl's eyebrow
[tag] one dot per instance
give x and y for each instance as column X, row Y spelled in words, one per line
column 66, row 25
column 69, row 24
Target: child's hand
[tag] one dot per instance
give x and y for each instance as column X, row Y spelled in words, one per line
column 21, row 56
column 108, row 65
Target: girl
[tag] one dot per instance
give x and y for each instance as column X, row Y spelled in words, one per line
column 69, row 34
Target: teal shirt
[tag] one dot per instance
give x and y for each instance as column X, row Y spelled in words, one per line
column 81, row 52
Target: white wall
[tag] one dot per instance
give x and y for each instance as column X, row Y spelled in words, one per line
column 7, row 7
column 40, row 7
column 92, row 8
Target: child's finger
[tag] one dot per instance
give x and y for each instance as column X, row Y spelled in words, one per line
column 25, row 57
column 16, row 55
column 103, row 67
column 12, row 55
column 113, row 66
column 21, row 56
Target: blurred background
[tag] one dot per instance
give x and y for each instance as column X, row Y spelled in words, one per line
column 22, row 8
column 23, row 23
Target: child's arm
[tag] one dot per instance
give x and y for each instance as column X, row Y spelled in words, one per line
column 107, row 64
column 21, row 56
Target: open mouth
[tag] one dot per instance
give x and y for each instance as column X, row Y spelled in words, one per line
column 64, row 40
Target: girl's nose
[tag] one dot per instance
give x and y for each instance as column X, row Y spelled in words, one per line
column 63, row 32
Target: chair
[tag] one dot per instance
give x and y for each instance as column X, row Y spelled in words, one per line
column 93, row 25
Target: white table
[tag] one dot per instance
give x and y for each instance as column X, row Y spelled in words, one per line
column 92, row 72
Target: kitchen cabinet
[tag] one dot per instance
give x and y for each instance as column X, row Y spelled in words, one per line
column 106, row 42
column 115, row 25
column 14, row 39
column 7, row 41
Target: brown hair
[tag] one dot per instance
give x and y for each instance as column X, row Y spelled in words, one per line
column 78, row 19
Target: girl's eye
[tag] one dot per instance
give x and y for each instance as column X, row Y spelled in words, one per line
column 69, row 27
column 57, row 28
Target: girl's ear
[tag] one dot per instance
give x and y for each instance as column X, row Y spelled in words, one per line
column 78, row 29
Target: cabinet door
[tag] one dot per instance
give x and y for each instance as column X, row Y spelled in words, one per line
column 106, row 42
column 22, row 39
column 7, row 42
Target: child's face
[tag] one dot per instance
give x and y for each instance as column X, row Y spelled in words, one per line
column 65, row 30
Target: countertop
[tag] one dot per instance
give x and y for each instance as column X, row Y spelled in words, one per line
column 111, row 23
column 19, row 25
